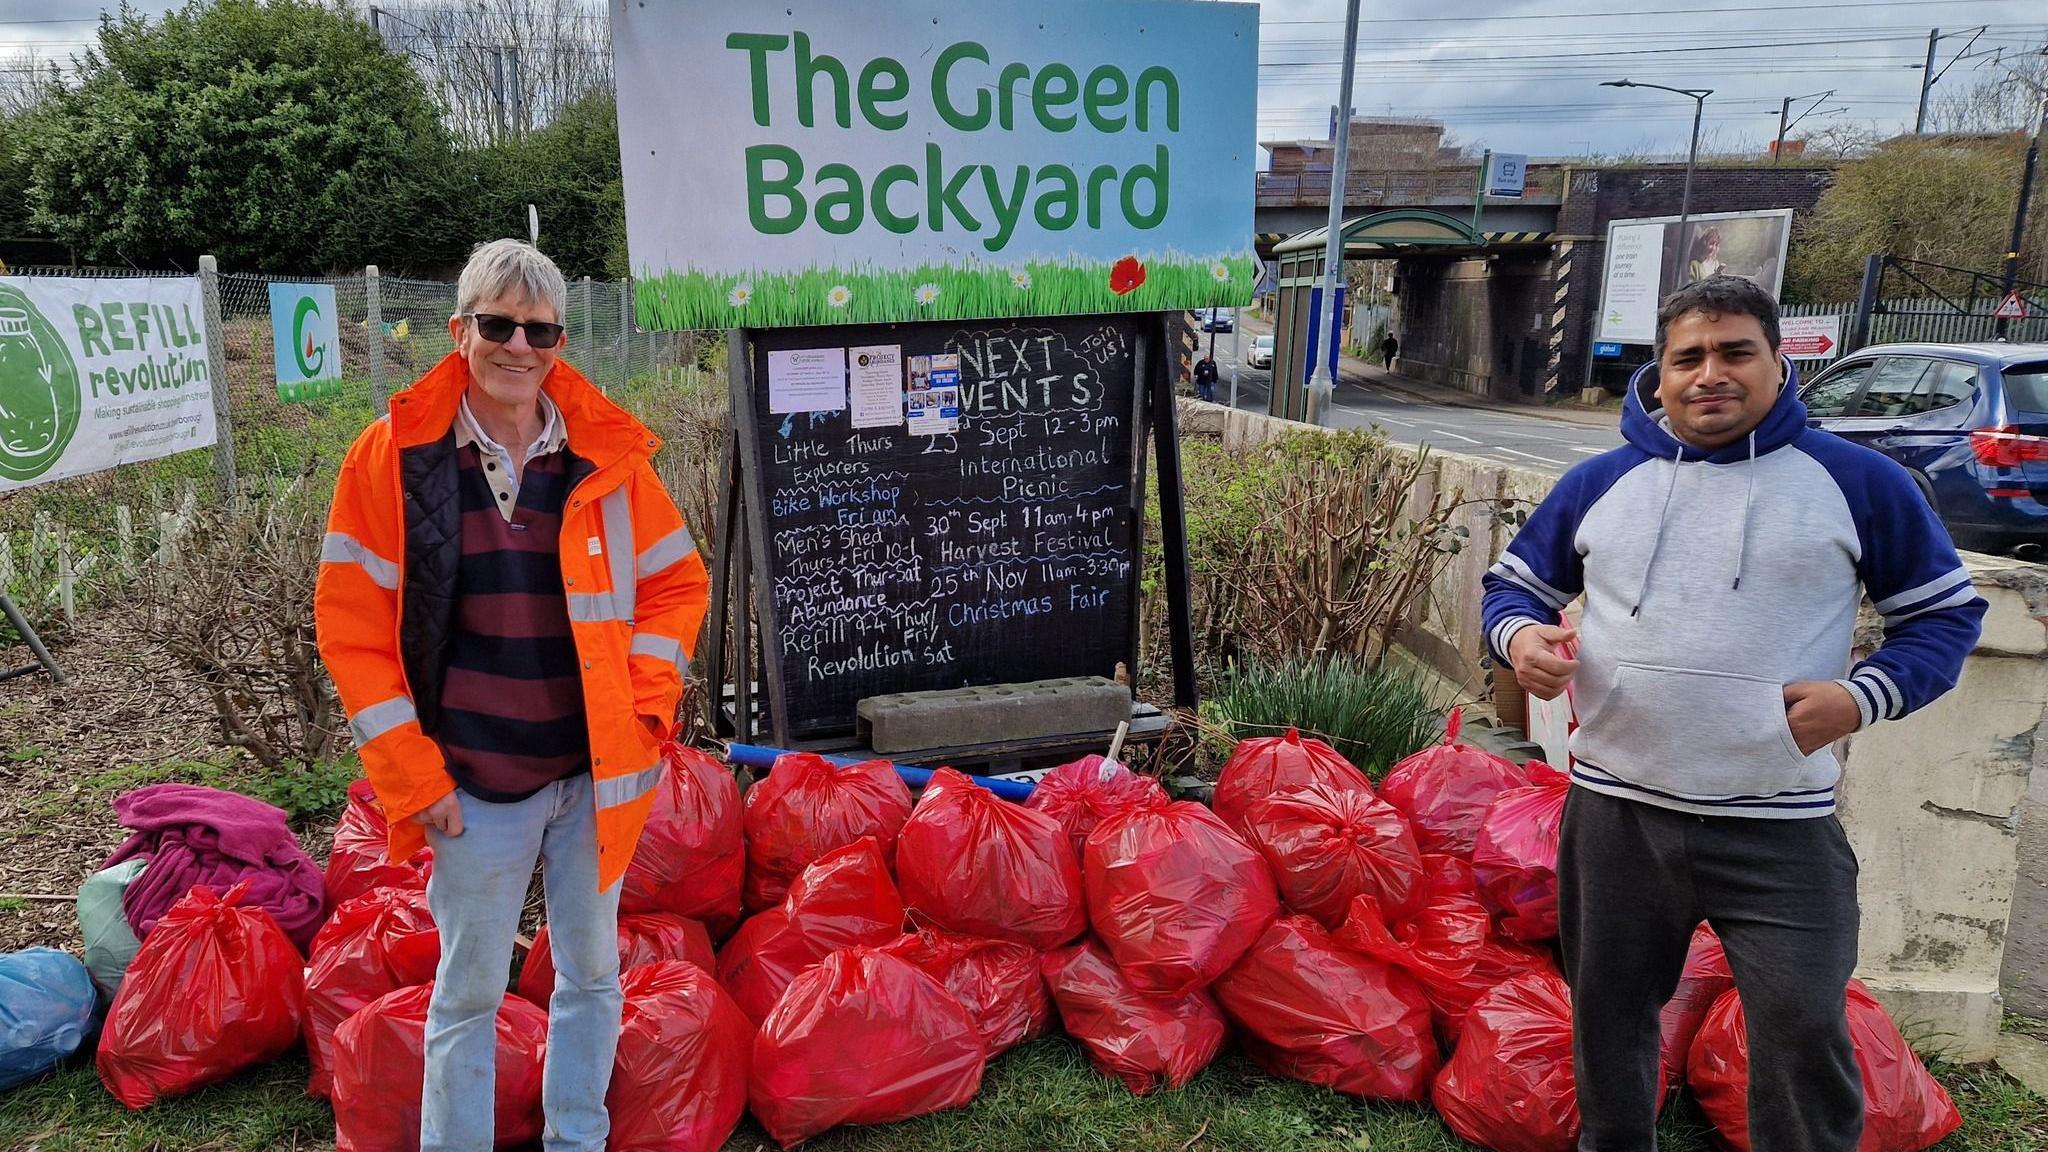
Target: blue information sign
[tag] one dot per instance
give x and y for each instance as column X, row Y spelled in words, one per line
column 1607, row 349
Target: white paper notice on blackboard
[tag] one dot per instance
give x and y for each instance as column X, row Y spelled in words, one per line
column 877, row 386
column 807, row 380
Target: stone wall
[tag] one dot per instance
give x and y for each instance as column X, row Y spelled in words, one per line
column 1933, row 804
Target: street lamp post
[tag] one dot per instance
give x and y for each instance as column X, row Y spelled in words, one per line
column 1692, row 156
column 1320, row 382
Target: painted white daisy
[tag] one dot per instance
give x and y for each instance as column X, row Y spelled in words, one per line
column 741, row 295
column 927, row 294
column 1219, row 272
column 1021, row 280
column 839, row 296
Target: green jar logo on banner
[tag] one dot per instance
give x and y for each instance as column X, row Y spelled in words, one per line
column 39, row 395
column 307, row 338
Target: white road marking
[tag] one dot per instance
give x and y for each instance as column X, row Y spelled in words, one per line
column 1454, row 436
column 1528, row 456
column 1391, row 420
column 1589, row 451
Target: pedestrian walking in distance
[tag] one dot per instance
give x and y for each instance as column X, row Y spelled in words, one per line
column 1720, row 556
column 1205, row 378
column 1389, row 348
column 507, row 600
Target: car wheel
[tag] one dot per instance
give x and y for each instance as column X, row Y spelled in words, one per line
column 1926, row 487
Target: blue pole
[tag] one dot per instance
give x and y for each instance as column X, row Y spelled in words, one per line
column 763, row 758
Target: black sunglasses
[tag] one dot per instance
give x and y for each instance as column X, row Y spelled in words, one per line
column 498, row 329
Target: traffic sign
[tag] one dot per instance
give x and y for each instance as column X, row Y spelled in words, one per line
column 2012, row 307
column 1810, row 337
column 1607, row 349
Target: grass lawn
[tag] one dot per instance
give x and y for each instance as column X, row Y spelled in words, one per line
column 1041, row 1096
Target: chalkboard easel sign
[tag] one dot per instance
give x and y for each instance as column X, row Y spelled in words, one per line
column 935, row 505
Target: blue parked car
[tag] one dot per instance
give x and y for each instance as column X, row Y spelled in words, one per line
column 1969, row 421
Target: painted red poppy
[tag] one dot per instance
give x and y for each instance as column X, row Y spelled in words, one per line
column 1126, row 275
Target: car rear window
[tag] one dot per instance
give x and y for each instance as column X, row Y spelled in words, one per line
column 2026, row 388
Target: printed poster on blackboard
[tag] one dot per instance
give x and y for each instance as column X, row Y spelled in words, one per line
column 877, row 385
column 932, row 405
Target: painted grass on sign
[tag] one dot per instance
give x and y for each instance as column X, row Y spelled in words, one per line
column 691, row 300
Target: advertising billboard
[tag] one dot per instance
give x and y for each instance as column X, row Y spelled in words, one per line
column 870, row 161
column 1649, row 259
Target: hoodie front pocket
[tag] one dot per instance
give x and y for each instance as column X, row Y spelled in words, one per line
column 1695, row 733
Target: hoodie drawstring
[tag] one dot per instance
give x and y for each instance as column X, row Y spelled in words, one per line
column 1748, row 495
column 1658, row 546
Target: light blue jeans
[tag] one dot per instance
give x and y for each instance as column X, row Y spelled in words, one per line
column 476, row 892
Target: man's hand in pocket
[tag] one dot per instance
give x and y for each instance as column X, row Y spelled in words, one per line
column 1819, row 713
column 443, row 816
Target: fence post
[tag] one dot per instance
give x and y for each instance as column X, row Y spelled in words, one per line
column 217, row 369
column 1866, row 303
column 625, row 331
column 373, row 304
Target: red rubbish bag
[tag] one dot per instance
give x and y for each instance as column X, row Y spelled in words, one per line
column 808, row 806
column 215, row 988
column 844, row 899
column 1305, row 1009
column 1449, row 945
column 361, row 857
column 679, row 1081
column 644, row 938
column 1175, row 896
column 1327, row 845
column 1144, row 1041
column 1274, row 765
column 692, row 858
column 1509, row 1084
column 997, row 981
column 862, row 1038
column 1446, row 789
column 1904, row 1108
column 1515, row 861
column 1705, row 980
column 1088, row 791
column 380, row 1064
column 971, row 862
column 377, row 943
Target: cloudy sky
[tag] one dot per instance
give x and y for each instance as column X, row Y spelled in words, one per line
column 1525, row 76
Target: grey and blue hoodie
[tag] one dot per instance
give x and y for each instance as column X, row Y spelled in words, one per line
column 1711, row 580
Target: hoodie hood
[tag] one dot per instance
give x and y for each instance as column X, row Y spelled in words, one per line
column 1642, row 422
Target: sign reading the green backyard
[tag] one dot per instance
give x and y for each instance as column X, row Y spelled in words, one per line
column 99, row 373
column 308, row 341
column 868, row 161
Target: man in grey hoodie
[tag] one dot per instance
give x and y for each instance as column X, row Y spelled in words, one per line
column 1722, row 554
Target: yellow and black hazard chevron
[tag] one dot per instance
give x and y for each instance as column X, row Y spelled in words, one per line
column 1517, row 237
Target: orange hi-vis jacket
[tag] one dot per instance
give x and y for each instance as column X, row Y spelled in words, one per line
column 384, row 604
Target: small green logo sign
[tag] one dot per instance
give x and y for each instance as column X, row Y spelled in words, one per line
column 39, row 393
column 312, row 355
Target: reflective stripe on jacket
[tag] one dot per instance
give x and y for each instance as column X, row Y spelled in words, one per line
column 383, row 606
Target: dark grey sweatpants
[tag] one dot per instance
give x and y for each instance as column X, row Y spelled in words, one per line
column 1633, row 882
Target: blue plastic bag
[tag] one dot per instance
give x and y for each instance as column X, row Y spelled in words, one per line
column 46, row 1012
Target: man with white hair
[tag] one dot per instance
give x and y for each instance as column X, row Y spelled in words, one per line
column 507, row 600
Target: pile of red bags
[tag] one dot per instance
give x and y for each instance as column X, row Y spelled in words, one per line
column 644, row 938
column 1705, row 980
column 971, row 862
column 1309, row 1010
column 380, row 1065
column 1904, row 1108
column 1449, row 945
column 1090, row 790
column 997, row 981
column 374, row 944
column 1142, row 1040
column 862, row 1038
column 361, row 857
column 216, row 987
column 1175, row 896
column 1276, row 765
column 843, row 900
column 692, row 857
column 679, row 1081
column 806, row 807
column 1445, row 791
column 1327, row 845
column 1509, row 1085
column 1515, row 860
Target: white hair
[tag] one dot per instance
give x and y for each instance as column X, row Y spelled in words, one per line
column 510, row 268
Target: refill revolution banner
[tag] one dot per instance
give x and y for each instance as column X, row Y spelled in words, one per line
column 99, row 373
column 898, row 160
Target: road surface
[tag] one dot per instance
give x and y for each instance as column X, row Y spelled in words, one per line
column 1536, row 442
